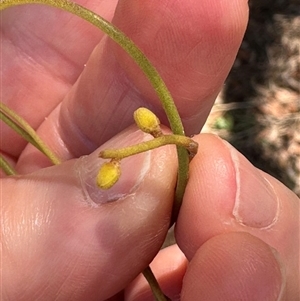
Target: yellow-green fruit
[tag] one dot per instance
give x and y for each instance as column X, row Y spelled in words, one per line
column 108, row 174
column 147, row 121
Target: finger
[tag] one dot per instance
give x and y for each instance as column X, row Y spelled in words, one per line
column 233, row 266
column 64, row 238
column 43, row 51
column 226, row 193
column 192, row 44
column 193, row 61
column 169, row 267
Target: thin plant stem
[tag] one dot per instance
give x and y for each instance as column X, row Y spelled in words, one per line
column 156, row 290
column 151, row 73
column 18, row 124
column 6, row 167
column 131, row 150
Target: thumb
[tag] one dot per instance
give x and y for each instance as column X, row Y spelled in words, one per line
column 65, row 239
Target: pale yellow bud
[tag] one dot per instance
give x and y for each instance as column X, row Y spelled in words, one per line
column 147, row 121
column 108, row 174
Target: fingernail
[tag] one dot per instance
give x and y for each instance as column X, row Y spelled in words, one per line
column 133, row 170
column 256, row 204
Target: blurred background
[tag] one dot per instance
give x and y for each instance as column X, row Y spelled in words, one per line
column 258, row 110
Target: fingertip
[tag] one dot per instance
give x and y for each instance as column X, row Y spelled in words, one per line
column 234, row 266
column 210, row 194
column 224, row 196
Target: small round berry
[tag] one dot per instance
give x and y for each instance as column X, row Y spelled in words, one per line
column 108, row 174
column 147, row 121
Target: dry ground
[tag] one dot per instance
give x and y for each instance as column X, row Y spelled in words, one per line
column 258, row 110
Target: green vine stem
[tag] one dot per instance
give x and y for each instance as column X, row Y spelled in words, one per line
column 19, row 125
column 156, row 290
column 131, row 150
column 6, row 167
column 145, row 65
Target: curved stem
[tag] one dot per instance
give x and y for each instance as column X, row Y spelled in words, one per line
column 151, row 73
column 19, row 125
column 159, row 296
column 131, row 150
column 6, row 167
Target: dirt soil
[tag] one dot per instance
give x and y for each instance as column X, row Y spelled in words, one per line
column 258, row 110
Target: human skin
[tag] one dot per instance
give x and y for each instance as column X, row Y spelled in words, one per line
column 63, row 238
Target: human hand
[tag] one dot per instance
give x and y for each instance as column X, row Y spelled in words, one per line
column 238, row 227
column 61, row 238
